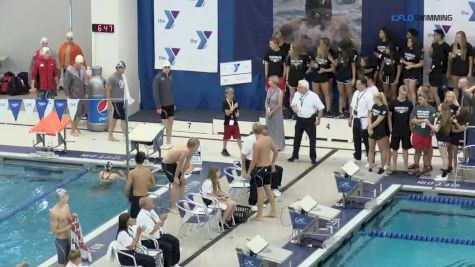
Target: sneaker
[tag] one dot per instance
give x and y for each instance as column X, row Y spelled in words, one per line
column 225, row 153
column 440, row 178
column 292, row 159
column 277, row 193
column 340, row 115
column 254, row 208
column 314, row 162
column 380, row 171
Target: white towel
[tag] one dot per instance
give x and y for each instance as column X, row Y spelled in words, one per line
column 127, row 95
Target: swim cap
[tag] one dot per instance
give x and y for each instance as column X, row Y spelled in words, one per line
column 61, row 192
column 108, row 166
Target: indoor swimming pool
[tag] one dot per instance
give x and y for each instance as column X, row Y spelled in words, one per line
column 26, row 236
column 413, row 231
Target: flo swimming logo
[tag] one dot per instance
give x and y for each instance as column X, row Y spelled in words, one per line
column 172, row 53
column 171, row 18
column 203, row 39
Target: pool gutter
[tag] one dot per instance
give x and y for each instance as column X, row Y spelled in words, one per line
column 347, row 231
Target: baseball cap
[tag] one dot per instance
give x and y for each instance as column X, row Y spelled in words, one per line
column 166, row 64
column 79, row 59
column 120, row 64
column 69, row 35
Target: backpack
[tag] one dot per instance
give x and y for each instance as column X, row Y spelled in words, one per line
column 5, row 82
column 16, row 86
column 24, row 77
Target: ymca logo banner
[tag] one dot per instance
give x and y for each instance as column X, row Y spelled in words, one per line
column 186, row 34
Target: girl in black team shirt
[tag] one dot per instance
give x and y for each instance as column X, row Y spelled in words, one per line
column 412, row 60
column 442, row 134
column 384, row 40
column 451, row 101
column 345, row 73
column 460, row 60
column 390, row 71
column 378, row 131
column 322, row 66
column 296, row 67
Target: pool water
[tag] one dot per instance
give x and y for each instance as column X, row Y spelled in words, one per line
column 26, row 236
column 404, row 216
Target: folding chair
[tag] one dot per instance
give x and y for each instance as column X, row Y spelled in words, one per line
column 116, row 252
column 191, row 216
column 213, row 210
column 237, row 183
column 248, row 261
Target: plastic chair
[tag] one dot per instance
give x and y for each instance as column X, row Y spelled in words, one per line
column 117, row 252
column 248, row 261
column 190, row 217
column 213, row 209
column 155, row 251
column 237, row 183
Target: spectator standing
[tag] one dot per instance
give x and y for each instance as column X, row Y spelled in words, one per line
column 345, row 74
column 115, row 90
column 68, row 52
column 165, row 99
column 45, row 69
column 377, row 125
column 468, row 101
column 442, row 129
column 460, row 63
column 309, row 109
column 274, row 114
column 231, row 126
column 322, row 66
column 399, row 118
column 75, row 81
column 274, row 62
column 361, row 104
column 297, row 64
column 412, row 60
column 390, row 71
column 421, row 115
column 439, row 53
column 384, row 39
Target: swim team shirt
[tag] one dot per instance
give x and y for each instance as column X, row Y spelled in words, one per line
column 275, row 59
column 421, row 112
column 460, row 67
column 401, row 115
column 376, row 111
column 343, row 69
column 390, row 64
column 297, row 68
column 440, row 53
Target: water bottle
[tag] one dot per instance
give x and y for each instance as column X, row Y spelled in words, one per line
column 97, row 108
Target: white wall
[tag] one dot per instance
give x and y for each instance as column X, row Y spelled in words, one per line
column 109, row 48
column 24, row 22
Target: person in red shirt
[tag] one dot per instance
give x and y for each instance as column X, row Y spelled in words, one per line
column 45, row 68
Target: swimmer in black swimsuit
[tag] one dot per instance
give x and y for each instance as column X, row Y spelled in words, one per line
column 107, row 176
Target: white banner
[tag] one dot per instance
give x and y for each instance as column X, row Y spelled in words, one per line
column 186, row 34
column 72, row 107
column 458, row 16
column 49, row 107
column 29, row 105
column 235, row 72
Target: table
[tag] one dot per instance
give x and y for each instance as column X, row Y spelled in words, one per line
column 148, row 135
column 51, row 125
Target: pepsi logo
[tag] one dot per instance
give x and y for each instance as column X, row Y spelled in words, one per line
column 102, row 107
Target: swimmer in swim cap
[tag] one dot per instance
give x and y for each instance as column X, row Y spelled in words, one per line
column 107, row 175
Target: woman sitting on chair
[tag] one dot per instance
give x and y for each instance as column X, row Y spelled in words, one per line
column 128, row 237
column 212, row 187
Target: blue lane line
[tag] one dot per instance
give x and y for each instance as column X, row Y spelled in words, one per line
column 43, row 195
column 418, row 237
column 442, row 200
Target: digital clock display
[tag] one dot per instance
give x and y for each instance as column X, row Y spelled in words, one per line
column 109, row 28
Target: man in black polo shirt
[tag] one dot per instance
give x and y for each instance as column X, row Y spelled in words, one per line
column 274, row 62
column 439, row 53
column 399, row 116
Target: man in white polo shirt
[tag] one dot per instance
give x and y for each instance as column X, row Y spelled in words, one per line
column 361, row 104
column 309, row 109
column 152, row 223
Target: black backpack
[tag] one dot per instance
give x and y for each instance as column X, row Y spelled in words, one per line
column 16, row 86
column 24, row 77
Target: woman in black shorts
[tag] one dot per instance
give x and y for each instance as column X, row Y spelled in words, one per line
column 454, row 106
column 459, row 124
column 345, row 73
column 377, row 131
column 297, row 66
column 390, row 71
column 412, row 60
column 442, row 133
column 322, row 66
column 460, row 60
column 384, row 39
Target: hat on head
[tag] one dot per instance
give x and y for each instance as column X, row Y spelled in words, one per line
column 120, row 64
column 69, row 35
column 44, row 40
column 61, row 192
column 166, row 64
column 79, row 59
column 45, row 50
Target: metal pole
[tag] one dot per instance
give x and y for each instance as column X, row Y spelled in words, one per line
column 127, row 148
column 71, row 15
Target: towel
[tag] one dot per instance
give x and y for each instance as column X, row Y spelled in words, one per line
column 78, row 239
column 127, row 95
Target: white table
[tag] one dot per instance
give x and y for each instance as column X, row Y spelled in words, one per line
column 149, row 135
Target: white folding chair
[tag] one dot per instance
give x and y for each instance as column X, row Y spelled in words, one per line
column 237, row 183
column 192, row 217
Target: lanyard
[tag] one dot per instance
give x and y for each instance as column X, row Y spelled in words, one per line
column 302, row 98
column 358, row 98
column 152, row 217
column 231, row 105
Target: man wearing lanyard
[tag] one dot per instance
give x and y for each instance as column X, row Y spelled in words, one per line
column 152, row 223
column 309, row 109
column 361, row 103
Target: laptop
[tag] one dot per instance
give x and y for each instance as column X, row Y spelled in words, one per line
column 257, row 244
column 308, row 203
column 350, row 168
